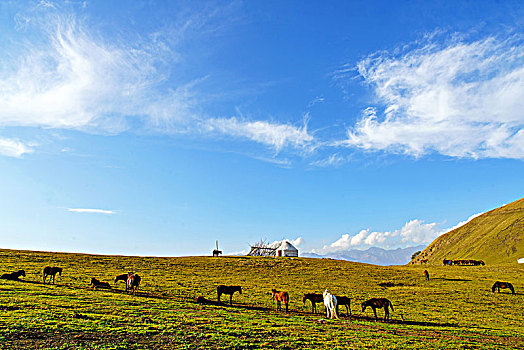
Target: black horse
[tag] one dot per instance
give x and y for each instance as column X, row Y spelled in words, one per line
column 13, row 276
column 378, row 303
column 99, row 284
column 498, row 285
column 221, row 289
column 344, row 301
column 51, row 271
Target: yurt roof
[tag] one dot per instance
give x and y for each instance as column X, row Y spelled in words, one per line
column 287, row 246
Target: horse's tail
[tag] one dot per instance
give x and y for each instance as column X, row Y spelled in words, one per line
column 391, row 305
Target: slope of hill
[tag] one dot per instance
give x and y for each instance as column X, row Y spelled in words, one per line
column 496, row 237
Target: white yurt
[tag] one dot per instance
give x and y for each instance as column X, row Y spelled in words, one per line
column 521, row 261
column 287, row 249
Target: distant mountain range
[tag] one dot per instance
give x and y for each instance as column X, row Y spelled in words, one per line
column 373, row 255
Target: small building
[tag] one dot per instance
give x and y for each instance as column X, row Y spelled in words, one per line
column 521, row 261
column 287, row 249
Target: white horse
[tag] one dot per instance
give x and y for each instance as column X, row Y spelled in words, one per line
column 330, row 302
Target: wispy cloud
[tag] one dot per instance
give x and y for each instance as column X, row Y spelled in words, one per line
column 14, row 148
column 460, row 99
column 333, row 160
column 274, row 135
column 91, row 211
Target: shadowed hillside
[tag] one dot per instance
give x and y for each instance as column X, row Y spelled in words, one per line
column 495, row 237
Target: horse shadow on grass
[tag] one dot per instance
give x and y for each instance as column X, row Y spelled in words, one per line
column 451, row 279
column 408, row 322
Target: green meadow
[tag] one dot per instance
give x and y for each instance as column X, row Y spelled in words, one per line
column 455, row 309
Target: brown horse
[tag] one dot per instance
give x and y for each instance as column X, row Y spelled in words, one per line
column 498, row 285
column 133, row 282
column 378, row 303
column 52, row 271
column 221, row 289
column 99, row 284
column 426, row 274
column 344, row 301
column 123, row 277
column 280, row 297
column 314, row 299
column 13, row 276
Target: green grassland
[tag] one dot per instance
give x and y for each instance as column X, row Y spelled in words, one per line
column 497, row 237
column 455, row 309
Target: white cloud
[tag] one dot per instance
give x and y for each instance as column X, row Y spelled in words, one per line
column 14, row 148
column 297, row 242
column 414, row 232
column 91, row 211
column 458, row 99
column 274, row 135
column 333, row 160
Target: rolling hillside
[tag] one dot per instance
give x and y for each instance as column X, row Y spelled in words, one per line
column 496, row 237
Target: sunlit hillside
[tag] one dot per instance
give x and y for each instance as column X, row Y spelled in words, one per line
column 494, row 237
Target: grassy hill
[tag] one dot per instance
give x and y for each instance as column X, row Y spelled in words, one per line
column 455, row 309
column 495, row 237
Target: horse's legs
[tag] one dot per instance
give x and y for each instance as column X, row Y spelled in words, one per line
column 386, row 313
column 375, row 312
column 231, row 299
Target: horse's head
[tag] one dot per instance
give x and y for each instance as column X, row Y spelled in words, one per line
column 239, row 289
column 21, row 273
column 364, row 305
column 59, row 269
column 93, row 280
column 304, row 298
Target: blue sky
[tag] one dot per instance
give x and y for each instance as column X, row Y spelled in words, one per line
column 158, row 127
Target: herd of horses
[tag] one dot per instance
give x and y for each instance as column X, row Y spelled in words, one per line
column 331, row 302
column 132, row 279
column 461, row 262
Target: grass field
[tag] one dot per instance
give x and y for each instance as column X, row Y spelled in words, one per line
column 455, row 309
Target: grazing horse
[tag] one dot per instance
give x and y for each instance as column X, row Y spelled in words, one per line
column 221, row 289
column 51, row 271
column 426, row 274
column 378, row 303
column 13, row 276
column 98, row 284
column 314, row 298
column 330, row 302
column 498, row 285
column 280, row 297
column 344, row 301
column 133, row 282
column 123, row 277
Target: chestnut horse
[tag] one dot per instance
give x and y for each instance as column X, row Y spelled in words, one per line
column 378, row 303
column 51, row 271
column 314, row 298
column 498, row 285
column 133, row 282
column 280, row 297
column 13, row 276
column 221, row 289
